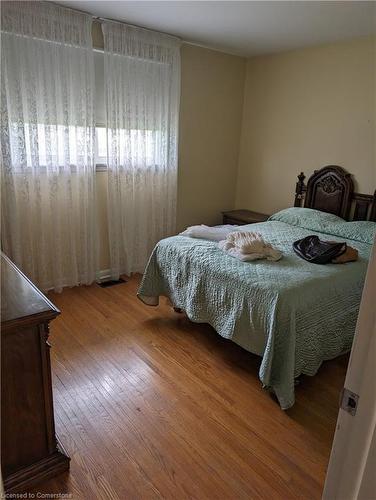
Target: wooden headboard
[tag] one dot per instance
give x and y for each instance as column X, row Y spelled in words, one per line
column 331, row 189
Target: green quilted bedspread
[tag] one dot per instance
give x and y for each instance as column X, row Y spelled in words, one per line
column 292, row 313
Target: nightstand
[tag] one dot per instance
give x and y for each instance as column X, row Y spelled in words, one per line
column 241, row 217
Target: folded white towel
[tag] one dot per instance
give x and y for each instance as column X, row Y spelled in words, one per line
column 248, row 246
column 247, row 242
column 208, row 233
column 243, row 245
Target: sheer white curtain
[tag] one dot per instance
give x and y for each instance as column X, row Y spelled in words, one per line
column 142, row 88
column 47, row 134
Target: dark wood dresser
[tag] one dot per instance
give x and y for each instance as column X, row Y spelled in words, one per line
column 30, row 451
column 241, row 217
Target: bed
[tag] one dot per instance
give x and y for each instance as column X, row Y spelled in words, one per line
column 292, row 313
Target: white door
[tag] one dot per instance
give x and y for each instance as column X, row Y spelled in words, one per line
column 352, row 467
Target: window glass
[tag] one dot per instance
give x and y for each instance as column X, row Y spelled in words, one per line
column 100, row 107
column 140, row 147
column 57, row 145
column 101, row 146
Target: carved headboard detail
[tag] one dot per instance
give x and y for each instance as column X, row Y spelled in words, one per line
column 331, row 189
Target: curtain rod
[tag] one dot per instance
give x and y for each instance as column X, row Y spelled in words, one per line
column 103, row 19
column 182, row 40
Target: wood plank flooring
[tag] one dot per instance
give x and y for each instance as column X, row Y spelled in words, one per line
column 150, row 405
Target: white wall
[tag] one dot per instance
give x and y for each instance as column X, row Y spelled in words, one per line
column 303, row 110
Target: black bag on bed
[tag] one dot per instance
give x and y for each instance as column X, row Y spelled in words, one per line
column 312, row 249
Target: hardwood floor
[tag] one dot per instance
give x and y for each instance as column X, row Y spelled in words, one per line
column 150, row 405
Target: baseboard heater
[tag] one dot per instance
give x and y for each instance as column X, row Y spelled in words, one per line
column 106, row 284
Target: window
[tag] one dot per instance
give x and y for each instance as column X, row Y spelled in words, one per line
column 143, row 146
column 100, row 112
column 45, row 145
column 147, row 145
column 100, row 148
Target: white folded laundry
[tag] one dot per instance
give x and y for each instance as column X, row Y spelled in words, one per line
column 243, row 245
column 209, row 233
column 248, row 246
column 247, row 241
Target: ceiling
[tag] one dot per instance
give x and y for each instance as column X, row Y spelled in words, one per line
column 244, row 28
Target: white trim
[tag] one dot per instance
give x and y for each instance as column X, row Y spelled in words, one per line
column 351, row 462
